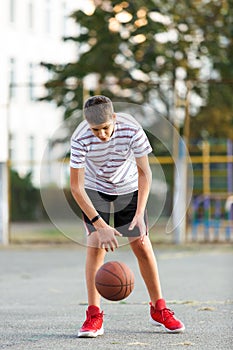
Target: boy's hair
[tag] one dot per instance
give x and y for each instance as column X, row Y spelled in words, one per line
column 98, row 109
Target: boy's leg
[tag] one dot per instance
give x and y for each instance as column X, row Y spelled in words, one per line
column 160, row 315
column 93, row 325
column 94, row 259
column 148, row 266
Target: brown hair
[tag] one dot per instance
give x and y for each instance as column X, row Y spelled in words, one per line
column 98, row 109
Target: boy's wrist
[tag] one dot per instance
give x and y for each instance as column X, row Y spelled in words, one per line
column 140, row 213
column 100, row 224
column 95, row 218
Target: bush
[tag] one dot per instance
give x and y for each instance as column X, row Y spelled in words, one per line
column 25, row 202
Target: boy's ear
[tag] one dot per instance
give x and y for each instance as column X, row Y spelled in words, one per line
column 114, row 116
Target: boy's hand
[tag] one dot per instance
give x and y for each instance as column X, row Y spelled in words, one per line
column 107, row 238
column 139, row 221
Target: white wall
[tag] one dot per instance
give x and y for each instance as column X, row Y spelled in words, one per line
column 25, row 41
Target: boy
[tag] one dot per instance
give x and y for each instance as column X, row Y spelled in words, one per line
column 110, row 168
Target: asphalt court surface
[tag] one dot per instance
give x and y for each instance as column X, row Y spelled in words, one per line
column 43, row 300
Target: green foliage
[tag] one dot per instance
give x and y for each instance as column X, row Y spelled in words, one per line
column 215, row 120
column 25, row 202
column 141, row 51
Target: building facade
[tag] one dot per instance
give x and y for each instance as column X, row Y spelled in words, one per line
column 31, row 32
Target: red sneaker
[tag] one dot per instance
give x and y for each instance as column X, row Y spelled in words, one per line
column 93, row 325
column 161, row 316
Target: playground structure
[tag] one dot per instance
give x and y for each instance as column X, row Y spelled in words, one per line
column 212, row 217
column 212, row 203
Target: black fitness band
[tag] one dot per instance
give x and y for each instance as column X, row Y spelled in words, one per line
column 97, row 217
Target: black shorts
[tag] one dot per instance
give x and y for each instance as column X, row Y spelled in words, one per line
column 122, row 208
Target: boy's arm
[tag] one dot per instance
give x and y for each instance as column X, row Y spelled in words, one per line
column 144, row 184
column 79, row 193
column 106, row 233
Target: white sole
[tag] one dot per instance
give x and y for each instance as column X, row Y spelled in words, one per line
column 179, row 330
column 91, row 334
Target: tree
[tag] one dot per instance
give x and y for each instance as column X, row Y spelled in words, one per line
column 141, row 51
column 25, row 199
column 215, row 118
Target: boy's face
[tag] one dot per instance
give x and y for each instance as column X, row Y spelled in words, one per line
column 104, row 131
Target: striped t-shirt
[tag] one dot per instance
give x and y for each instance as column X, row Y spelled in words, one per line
column 110, row 166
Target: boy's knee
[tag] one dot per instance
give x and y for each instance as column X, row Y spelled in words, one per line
column 141, row 248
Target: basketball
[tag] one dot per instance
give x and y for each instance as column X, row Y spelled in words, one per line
column 114, row 280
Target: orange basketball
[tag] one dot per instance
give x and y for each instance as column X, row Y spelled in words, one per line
column 114, row 280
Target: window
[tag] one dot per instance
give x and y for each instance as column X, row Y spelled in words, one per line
column 30, row 15
column 12, row 147
column 64, row 19
column 48, row 16
column 12, row 5
column 49, row 160
column 31, row 82
column 12, row 79
column 31, row 150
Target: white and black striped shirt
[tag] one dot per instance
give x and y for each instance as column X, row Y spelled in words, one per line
column 110, row 166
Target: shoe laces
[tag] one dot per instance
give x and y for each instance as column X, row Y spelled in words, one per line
column 93, row 320
column 166, row 314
